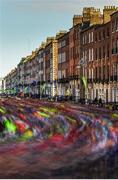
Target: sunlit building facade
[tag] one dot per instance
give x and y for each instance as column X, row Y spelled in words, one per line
column 88, row 50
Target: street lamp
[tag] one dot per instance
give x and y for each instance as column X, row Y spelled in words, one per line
column 78, row 89
column 82, row 64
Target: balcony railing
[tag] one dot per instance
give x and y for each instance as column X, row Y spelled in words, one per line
column 114, row 78
column 74, row 77
column 63, row 80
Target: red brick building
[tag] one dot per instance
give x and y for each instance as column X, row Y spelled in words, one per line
column 89, row 51
column 99, row 50
column 114, row 58
column 47, row 61
column 102, row 48
column 74, row 58
column 87, row 57
column 63, row 64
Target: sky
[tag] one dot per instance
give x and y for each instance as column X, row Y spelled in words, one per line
column 24, row 24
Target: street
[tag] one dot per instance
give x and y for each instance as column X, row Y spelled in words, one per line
column 42, row 139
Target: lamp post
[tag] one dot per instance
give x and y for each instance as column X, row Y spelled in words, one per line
column 78, row 93
column 82, row 64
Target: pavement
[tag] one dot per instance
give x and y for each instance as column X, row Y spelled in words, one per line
column 41, row 139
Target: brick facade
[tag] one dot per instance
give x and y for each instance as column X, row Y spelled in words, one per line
column 89, row 49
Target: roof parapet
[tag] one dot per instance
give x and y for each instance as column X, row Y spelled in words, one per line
column 60, row 33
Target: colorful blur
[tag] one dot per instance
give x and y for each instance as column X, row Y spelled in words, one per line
column 39, row 137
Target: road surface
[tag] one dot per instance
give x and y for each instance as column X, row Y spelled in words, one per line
column 41, row 139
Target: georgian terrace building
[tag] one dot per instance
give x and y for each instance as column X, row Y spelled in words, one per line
column 86, row 60
column 63, row 64
column 102, row 62
column 99, row 48
column 14, row 81
column 51, row 65
column 27, row 74
column 89, row 49
column 34, row 69
column 41, row 69
column 114, row 58
column 74, row 58
column 20, row 74
column 10, row 82
column 47, row 65
column 7, row 80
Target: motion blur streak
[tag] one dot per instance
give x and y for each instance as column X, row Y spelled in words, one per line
column 41, row 139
